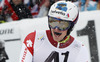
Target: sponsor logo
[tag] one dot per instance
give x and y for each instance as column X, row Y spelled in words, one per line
column 41, row 38
column 62, row 6
column 24, row 55
column 67, row 15
column 29, row 43
column 6, row 31
column 58, row 12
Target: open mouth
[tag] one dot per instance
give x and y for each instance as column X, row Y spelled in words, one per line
column 57, row 34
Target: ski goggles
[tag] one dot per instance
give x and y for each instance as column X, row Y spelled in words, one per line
column 59, row 23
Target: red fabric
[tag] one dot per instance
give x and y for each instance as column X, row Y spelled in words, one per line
column 55, row 43
column 43, row 1
column 29, row 42
column 0, row 9
column 14, row 15
column 35, row 13
column 94, row 0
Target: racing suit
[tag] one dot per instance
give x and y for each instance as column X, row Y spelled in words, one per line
column 39, row 46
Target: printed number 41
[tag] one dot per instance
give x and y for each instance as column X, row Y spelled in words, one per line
column 55, row 55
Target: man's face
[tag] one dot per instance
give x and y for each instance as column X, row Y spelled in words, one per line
column 16, row 2
column 57, row 34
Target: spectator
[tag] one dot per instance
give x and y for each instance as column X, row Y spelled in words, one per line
column 39, row 8
column 45, row 7
column 83, row 4
column 2, row 18
column 86, row 5
column 15, row 10
column 34, row 6
column 72, row 0
column 0, row 1
column 98, row 4
column 3, row 55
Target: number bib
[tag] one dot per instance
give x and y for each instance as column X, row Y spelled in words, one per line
column 44, row 51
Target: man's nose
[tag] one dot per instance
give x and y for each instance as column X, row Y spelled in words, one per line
column 56, row 28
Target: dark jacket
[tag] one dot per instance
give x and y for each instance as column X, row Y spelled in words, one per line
column 21, row 10
column 3, row 55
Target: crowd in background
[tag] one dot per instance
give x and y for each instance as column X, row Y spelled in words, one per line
column 15, row 10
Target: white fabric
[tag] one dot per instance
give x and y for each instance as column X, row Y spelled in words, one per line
column 43, row 49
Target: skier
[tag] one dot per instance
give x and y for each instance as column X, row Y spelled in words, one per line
column 56, row 44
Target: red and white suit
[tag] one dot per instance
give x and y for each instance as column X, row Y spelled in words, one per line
column 39, row 46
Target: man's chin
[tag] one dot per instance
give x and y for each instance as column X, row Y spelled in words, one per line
column 56, row 38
